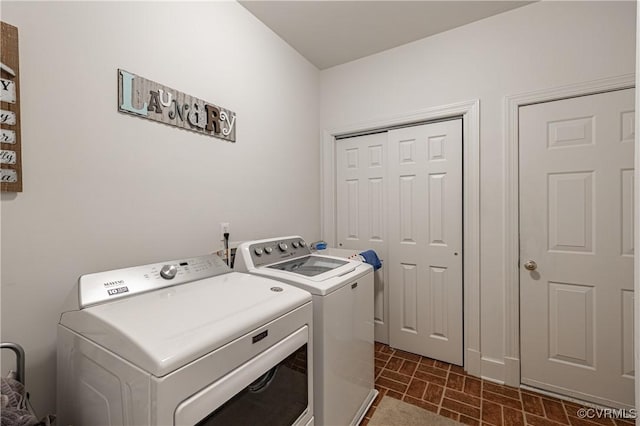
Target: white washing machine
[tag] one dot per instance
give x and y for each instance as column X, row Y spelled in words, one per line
column 342, row 293
column 187, row 342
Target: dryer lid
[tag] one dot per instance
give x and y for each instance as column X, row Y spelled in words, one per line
column 161, row 331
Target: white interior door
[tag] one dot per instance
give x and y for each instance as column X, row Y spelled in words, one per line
column 425, row 240
column 361, row 170
column 576, row 224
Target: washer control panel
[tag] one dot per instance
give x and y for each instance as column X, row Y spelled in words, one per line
column 106, row 286
column 272, row 251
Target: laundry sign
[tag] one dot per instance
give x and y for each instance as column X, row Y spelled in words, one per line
column 148, row 99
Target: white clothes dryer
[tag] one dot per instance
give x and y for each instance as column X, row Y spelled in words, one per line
column 187, row 342
column 342, row 294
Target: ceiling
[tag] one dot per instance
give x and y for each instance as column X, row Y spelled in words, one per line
column 330, row 33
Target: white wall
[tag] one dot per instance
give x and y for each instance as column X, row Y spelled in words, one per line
column 540, row 46
column 104, row 190
column 637, row 226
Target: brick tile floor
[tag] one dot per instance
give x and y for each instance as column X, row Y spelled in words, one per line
column 447, row 390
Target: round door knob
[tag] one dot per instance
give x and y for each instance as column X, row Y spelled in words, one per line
column 168, row 272
column 530, row 265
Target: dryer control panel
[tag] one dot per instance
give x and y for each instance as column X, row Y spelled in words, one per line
column 102, row 287
column 267, row 252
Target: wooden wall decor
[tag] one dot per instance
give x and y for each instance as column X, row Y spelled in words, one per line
column 10, row 138
column 148, row 99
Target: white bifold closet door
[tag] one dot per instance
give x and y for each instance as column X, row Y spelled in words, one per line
column 361, row 169
column 400, row 193
column 576, row 224
column 425, row 240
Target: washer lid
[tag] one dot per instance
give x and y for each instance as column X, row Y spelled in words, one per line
column 309, row 266
column 163, row 330
column 321, row 284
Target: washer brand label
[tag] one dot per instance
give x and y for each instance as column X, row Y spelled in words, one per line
column 119, row 290
column 112, row 283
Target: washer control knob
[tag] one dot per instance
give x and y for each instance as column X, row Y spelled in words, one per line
column 258, row 251
column 295, row 244
column 283, row 246
column 268, row 250
column 302, row 243
column 168, row 272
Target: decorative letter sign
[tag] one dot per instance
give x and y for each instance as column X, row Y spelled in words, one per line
column 7, row 136
column 10, row 141
column 145, row 98
column 8, row 93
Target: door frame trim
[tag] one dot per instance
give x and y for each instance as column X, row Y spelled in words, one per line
column 511, row 196
column 469, row 110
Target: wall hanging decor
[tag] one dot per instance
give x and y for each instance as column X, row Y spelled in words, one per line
column 10, row 139
column 148, row 99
